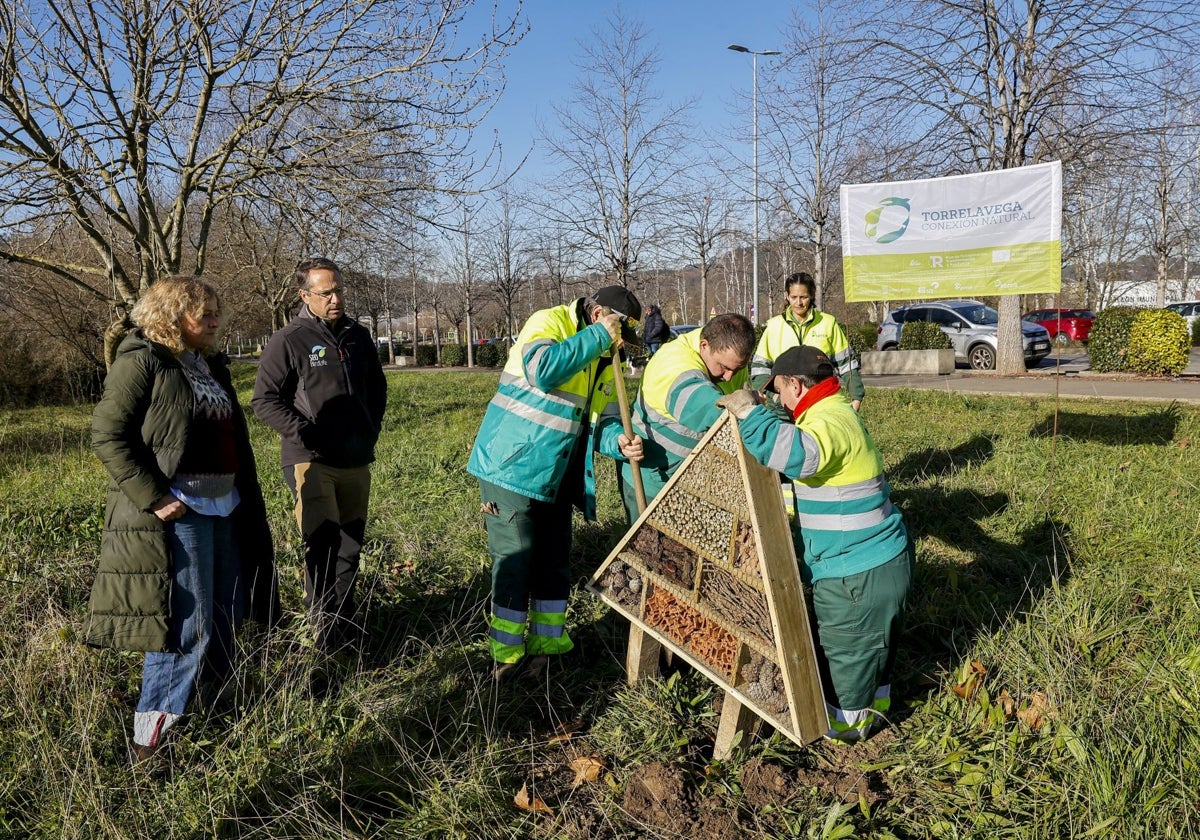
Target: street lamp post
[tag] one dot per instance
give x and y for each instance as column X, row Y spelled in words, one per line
column 754, row 54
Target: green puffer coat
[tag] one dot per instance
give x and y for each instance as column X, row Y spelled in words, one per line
column 139, row 431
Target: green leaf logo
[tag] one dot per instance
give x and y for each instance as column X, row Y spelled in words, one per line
column 888, row 221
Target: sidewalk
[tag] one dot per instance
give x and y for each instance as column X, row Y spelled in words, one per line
column 1067, row 375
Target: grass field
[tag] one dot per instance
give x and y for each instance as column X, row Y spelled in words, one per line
column 1048, row 686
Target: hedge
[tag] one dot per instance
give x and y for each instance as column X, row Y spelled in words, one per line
column 1108, row 342
column 862, row 337
column 454, row 355
column 491, row 355
column 1158, row 343
column 924, row 335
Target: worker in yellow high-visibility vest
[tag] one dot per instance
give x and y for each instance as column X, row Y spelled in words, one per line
column 676, row 405
column 857, row 553
column 554, row 409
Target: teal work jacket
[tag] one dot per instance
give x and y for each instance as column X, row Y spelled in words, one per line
column 556, row 386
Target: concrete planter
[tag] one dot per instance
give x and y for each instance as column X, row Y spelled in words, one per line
column 925, row 362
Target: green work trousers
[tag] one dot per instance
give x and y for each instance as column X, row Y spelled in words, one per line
column 858, row 619
column 530, row 545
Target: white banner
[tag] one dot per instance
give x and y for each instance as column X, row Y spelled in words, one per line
column 991, row 233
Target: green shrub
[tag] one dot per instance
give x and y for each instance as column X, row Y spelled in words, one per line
column 454, row 355
column 426, row 355
column 1158, row 343
column 862, row 337
column 923, row 335
column 1196, row 333
column 1108, row 343
column 491, row 355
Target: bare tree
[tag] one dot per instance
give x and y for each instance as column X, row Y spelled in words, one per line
column 465, row 298
column 1169, row 152
column 555, row 258
column 506, row 259
column 700, row 228
column 818, row 121
column 617, row 149
column 993, row 84
column 134, row 122
column 1104, row 221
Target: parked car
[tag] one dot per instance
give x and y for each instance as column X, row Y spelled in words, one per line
column 1063, row 324
column 1189, row 309
column 680, row 329
column 971, row 327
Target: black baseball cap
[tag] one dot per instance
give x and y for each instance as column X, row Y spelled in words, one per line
column 623, row 302
column 801, row 361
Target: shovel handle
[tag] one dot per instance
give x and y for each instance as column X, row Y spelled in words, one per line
column 626, row 421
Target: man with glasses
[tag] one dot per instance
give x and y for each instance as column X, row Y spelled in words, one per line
column 320, row 384
column 554, row 409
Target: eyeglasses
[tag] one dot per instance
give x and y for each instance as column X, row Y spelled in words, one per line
column 328, row 293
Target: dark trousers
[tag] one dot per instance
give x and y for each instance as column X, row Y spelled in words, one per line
column 331, row 510
column 530, row 546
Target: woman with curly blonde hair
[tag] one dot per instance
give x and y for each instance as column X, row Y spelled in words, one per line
column 173, row 439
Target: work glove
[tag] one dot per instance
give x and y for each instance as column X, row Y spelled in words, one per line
column 739, row 403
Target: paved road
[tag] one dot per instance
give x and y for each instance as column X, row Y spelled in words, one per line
column 1065, row 372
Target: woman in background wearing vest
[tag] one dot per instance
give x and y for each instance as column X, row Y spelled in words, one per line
column 801, row 322
column 184, row 493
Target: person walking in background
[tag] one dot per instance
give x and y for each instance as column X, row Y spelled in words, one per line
column 677, row 402
column 533, row 457
column 857, row 553
column 656, row 331
column 320, row 385
column 185, row 525
column 801, row 322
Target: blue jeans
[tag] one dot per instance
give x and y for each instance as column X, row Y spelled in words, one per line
column 205, row 612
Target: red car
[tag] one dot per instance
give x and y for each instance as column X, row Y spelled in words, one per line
column 1064, row 324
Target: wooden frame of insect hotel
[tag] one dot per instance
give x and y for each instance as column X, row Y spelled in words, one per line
column 709, row 571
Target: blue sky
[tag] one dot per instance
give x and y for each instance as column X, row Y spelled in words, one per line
column 691, row 37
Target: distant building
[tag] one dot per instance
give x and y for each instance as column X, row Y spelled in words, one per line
column 1145, row 293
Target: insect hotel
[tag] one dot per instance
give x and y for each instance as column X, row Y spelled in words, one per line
column 709, row 572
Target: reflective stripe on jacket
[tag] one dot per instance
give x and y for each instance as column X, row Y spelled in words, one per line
column 820, row 330
column 678, row 402
column 846, row 516
column 551, row 383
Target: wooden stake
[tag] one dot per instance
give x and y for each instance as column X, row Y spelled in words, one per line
column 641, row 654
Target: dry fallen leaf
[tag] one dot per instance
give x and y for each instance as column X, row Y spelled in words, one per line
column 1184, row 443
column 1007, row 703
column 970, row 684
column 523, row 801
column 1034, row 715
column 567, row 731
column 1125, row 465
column 587, row 769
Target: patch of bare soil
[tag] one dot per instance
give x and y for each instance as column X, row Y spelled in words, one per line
column 839, row 773
column 657, row 796
column 765, row 784
column 662, row 799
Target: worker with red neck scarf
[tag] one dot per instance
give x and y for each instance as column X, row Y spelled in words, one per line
column 857, row 554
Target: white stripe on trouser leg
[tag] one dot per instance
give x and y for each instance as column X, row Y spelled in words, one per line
column 149, row 727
